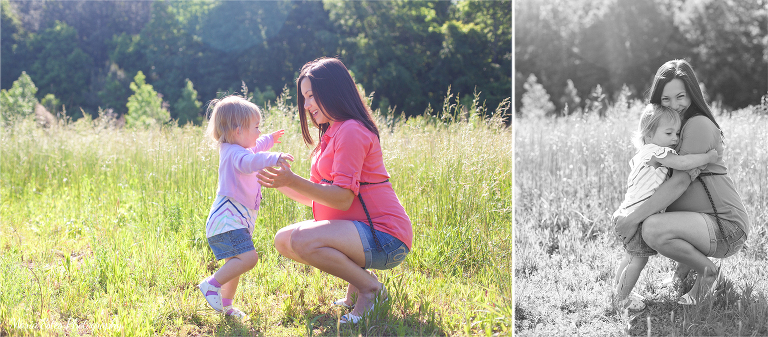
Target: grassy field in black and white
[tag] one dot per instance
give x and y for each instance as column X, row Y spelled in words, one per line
column 570, row 175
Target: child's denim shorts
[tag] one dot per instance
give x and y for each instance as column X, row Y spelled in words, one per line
column 232, row 243
column 393, row 253
column 726, row 242
column 636, row 245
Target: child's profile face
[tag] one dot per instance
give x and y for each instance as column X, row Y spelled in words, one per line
column 247, row 136
column 666, row 133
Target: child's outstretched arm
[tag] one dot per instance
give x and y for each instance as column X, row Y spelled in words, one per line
column 688, row 161
column 276, row 135
column 246, row 162
column 265, row 142
column 284, row 160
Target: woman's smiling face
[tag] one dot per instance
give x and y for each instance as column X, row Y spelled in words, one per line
column 310, row 104
column 675, row 96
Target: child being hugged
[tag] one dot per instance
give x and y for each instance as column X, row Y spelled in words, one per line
column 656, row 136
column 234, row 125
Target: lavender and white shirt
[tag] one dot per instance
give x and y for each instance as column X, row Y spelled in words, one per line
column 239, row 193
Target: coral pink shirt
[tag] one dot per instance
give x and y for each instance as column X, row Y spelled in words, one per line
column 350, row 154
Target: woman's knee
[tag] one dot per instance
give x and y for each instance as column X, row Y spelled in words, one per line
column 653, row 232
column 283, row 241
column 301, row 241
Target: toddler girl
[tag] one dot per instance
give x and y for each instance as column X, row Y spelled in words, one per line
column 656, row 135
column 234, row 125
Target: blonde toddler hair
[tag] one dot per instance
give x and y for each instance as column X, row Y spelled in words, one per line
column 649, row 121
column 229, row 114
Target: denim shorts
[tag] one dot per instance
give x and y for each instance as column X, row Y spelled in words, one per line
column 232, row 243
column 393, row 253
column 636, row 245
column 725, row 241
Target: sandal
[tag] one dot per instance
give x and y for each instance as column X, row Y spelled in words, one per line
column 342, row 303
column 688, row 299
column 214, row 299
column 633, row 302
column 350, row 318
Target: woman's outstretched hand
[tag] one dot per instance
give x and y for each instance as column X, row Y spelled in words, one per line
column 276, row 177
column 624, row 228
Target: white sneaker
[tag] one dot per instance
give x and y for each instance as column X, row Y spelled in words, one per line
column 213, row 300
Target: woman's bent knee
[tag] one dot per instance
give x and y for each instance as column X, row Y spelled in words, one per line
column 301, row 242
column 282, row 241
column 653, row 232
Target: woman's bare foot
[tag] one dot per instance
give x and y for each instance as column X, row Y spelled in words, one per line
column 677, row 279
column 365, row 299
column 349, row 301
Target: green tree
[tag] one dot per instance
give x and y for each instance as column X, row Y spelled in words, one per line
column 115, row 91
column 51, row 103
column 60, row 67
column 97, row 21
column 19, row 101
column 392, row 51
column 187, row 108
column 174, row 53
column 260, row 98
column 145, row 107
column 13, row 45
column 489, row 69
column 306, row 35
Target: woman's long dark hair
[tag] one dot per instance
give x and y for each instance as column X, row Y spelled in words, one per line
column 336, row 95
column 682, row 70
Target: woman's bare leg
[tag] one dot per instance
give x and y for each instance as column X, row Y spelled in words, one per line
column 683, row 237
column 352, row 291
column 334, row 247
column 283, row 241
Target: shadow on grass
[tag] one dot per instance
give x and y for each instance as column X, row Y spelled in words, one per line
column 381, row 322
column 734, row 311
column 235, row 327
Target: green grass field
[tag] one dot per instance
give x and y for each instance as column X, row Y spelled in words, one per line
column 103, row 233
column 570, row 175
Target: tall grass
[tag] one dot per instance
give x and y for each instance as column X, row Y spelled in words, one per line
column 103, row 232
column 570, row 175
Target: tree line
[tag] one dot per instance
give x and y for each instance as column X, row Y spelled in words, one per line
column 82, row 55
column 580, row 50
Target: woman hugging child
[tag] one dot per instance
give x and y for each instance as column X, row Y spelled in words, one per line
column 657, row 134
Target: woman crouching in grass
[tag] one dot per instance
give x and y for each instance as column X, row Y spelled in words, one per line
column 359, row 223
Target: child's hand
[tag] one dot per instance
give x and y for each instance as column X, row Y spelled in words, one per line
column 713, row 155
column 276, row 136
column 284, row 158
